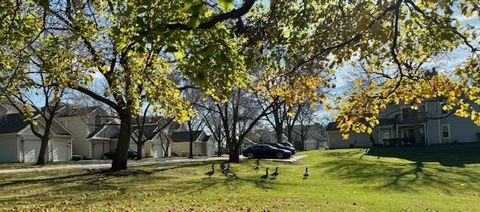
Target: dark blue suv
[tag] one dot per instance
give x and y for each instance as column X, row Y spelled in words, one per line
column 283, row 146
column 266, row 151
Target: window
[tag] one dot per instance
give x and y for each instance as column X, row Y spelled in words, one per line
column 445, row 131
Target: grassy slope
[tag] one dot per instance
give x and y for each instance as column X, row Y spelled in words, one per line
column 445, row 179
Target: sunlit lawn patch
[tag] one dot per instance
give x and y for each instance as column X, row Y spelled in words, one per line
column 339, row 180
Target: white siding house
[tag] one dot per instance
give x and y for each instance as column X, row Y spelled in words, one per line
column 92, row 129
column 203, row 144
column 19, row 144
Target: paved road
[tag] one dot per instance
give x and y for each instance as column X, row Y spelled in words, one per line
column 105, row 164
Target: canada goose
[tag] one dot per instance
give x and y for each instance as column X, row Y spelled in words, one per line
column 210, row 173
column 306, row 175
column 266, row 174
column 258, row 166
column 226, row 169
column 275, row 173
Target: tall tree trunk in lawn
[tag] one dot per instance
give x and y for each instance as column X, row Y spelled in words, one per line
column 139, row 150
column 233, row 152
column 44, row 140
column 190, row 154
column 278, row 123
column 43, row 151
column 220, row 148
column 121, row 155
column 190, row 139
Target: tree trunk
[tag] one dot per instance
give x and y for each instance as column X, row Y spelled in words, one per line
column 191, row 149
column 190, row 139
column 416, row 128
column 139, row 150
column 278, row 125
column 289, row 133
column 219, row 149
column 278, row 133
column 44, row 139
column 43, row 151
column 233, row 153
column 120, row 159
column 372, row 140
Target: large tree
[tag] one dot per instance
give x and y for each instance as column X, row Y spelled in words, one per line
column 136, row 47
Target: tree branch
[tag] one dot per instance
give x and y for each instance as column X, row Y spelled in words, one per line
column 233, row 14
column 98, row 98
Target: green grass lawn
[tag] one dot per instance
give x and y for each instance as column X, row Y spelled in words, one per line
column 445, row 178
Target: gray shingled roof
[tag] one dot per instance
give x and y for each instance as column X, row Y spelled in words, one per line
column 184, row 136
column 332, row 126
column 12, row 123
column 149, row 130
column 75, row 110
column 110, row 131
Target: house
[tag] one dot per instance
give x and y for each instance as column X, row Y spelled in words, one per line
column 397, row 127
column 104, row 139
column 304, row 137
column 203, row 144
column 264, row 136
column 19, row 144
column 157, row 142
column 94, row 131
column 309, row 137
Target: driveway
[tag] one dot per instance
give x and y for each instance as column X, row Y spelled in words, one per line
column 292, row 159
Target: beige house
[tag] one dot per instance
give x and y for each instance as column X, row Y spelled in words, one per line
column 203, row 144
column 94, row 131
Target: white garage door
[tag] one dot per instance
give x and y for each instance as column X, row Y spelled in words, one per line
column 31, row 149
column 8, row 150
column 98, row 150
column 60, row 151
column 310, row 146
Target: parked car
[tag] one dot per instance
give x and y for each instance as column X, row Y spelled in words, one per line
column 266, row 151
column 283, row 146
column 287, row 144
column 109, row 155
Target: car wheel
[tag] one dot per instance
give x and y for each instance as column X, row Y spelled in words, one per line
column 279, row 155
column 250, row 155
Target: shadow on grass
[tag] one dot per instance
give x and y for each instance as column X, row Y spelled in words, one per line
column 449, row 176
column 94, row 188
column 456, row 155
column 50, row 179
